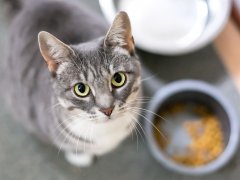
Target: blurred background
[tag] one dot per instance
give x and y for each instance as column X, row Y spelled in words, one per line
column 212, row 56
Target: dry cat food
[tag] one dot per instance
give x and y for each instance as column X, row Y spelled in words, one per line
column 204, row 131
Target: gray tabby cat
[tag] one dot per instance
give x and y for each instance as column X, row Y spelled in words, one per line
column 81, row 96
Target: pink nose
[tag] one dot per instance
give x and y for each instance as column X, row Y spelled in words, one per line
column 107, row 111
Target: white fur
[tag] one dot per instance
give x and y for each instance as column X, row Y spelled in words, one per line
column 106, row 134
column 79, row 160
column 104, row 100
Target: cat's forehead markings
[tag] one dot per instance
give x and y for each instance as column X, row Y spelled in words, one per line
column 111, row 68
column 120, row 50
column 114, row 68
column 93, row 70
column 62, row 67
column 82, row 77
column 110, row 86
column 90, row 75
column 93, row 91
column 104, row 100
column 104, row 72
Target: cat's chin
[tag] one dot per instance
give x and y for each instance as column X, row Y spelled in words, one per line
column 105, row 120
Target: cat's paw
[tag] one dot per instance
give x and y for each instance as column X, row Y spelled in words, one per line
column 79, row 160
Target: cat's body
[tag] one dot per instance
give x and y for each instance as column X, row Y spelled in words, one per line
column 41, row 103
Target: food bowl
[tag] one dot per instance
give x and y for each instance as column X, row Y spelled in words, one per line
column 171, row 27
column 200, row 93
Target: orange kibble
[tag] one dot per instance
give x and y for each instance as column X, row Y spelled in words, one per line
column 205, row 132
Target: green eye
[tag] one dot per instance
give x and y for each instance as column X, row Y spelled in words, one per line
column 118, row 79
column 81, row 90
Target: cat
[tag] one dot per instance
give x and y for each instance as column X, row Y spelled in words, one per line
column 70, row 79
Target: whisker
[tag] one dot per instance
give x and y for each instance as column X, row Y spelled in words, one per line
column 53, row 106
column 65, row 138
column 149, row 77
column 139, row 132
column 150, row 112
column 135, row 133
column 139, row 125
column 85, row 138
column 150, row 123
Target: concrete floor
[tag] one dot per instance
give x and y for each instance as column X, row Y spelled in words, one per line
column 22, row 157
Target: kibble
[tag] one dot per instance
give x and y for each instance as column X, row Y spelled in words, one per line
column 206, row 135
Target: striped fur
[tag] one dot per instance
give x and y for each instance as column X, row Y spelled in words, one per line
column 45, row 103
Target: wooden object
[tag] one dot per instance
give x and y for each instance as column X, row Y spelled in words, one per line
column 227, row 45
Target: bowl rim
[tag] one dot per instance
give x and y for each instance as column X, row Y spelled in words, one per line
column 109, row 10
column 201, row 87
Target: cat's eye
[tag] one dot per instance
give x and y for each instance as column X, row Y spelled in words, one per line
column 81, row 90
column 118, row 79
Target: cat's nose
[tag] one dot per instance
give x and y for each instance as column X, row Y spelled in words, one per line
column 107, row 111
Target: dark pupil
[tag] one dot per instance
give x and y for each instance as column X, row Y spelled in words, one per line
column 117, row 77
column 81, row 88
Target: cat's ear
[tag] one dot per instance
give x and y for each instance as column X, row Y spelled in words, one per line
column 53, row 50
column 120, row 33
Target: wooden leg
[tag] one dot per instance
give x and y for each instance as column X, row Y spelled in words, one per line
column 227, row 45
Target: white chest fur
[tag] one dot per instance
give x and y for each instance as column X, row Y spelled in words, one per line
column 105, row 135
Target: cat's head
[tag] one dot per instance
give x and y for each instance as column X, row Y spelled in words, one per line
column 97, row 79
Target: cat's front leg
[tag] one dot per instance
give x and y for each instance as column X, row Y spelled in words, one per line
column 79, row 159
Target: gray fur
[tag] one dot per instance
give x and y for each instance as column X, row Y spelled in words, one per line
column 31, row 90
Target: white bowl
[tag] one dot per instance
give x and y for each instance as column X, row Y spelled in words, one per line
column 194, row 24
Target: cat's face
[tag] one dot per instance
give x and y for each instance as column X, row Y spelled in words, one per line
column 98, row 80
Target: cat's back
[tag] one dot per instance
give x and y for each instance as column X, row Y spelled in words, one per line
column 70, row 21
column 27, row 77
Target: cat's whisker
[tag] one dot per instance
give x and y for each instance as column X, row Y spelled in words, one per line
column 91, row 134
column 66, row 135
column 68, row 123
column 53, row 106
column 78, row 139
column 149, row 97
column 85, row 138
column 135, row 102
column 65, row 139
column 131, row 129
column 78, row 68
column 139, row 125
column 138, row 100
column 77, row 146
column 67, row 120
column 150, row 112
column 143, row 97
column 134, row 128
column 63, row 121
column 149, row 77
column 138, row 130
column 80, row 115
column 150, row 123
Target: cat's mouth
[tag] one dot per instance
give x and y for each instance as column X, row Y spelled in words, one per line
column 113, row 117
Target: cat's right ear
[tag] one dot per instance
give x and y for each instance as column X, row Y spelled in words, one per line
column 53, row 50
column 120, row 33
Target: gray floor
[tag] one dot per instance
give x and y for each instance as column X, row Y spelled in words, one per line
column 22, row 157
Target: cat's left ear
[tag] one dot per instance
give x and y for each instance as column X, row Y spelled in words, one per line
column 120, row 33
column 53, row 50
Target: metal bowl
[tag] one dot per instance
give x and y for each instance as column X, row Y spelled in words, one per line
column 210, row 17
column 195, row 91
